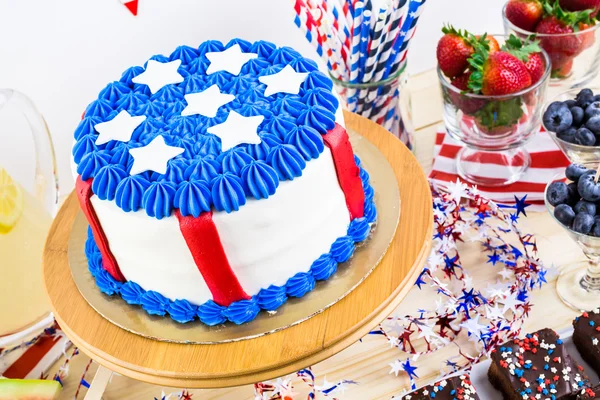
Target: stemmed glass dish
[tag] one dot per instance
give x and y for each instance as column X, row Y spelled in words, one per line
column 493, row 129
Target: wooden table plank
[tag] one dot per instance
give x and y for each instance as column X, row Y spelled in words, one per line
column 367, row 361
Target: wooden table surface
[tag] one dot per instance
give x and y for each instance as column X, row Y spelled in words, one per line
column 367, row 361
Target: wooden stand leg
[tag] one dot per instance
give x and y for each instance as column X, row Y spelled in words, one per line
column 99, row 384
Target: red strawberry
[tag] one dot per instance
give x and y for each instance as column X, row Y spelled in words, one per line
column 462, row 101
column 569, row 45
column 492, row 43
column 453, row 52
column 587, row 38
column 563, row 71
column 462, row 81
column 529, row 53
column 535, row 66
column 525, row 14
column 581, row 5
column 503, row 74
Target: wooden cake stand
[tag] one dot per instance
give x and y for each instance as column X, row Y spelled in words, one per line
column 264, row 357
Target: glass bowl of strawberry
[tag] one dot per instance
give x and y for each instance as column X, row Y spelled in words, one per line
column 493, row 88
column 572, row 119
column 567, row 30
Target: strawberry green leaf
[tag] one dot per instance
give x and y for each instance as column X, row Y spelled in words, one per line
column 521, row 49
column 476, row 62
column 500, row 113
column 569, row 18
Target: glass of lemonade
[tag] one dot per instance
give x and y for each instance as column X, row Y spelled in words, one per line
column 28, row 200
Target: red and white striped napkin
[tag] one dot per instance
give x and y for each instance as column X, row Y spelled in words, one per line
column 547, row 160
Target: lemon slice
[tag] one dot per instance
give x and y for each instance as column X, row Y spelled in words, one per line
column 11, row 202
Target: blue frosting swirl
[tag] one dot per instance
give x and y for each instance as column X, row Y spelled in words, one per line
column 321, row 97
column 155, row 303
column 159, row 58
column 130, row 192
column 317, row 79
column 106, row 283
column 244, row 44
column 219, row 78
column 132, row 293
column 260, row 179
column 319, row 118
column 287, row 161
column 175, row 168
column 113, row 91
column 99, row 108
column 252, row 95
column 86, row 127
column 237, row 84
column 364, row 175
column 251, row 110
column 106, row 181
column 300, row 284
column 131, row 102
column 261, row 151
column 210, row 46
column 369, row 194
column 85, row 145
column 323, row 267
column 173, row 111
column 211, row 314
column 272, row 297
column 148, row 126
column 198, row 66
column 208, row 144
column 158, row 199
column 242, row 311
column 129, row 74
column 91, row 163
column 182, row 311
column 204, row 169
column 357, row 161
column 95, row 263
column 263, row 48
column 302, row 64
column 228, row 192
column 184, row 53
column 292, row 105
column 168, row 94
column 283, row 55
column 370, row 211
column 255, row 66
column 194, row 84
column 359, row 229
column 307, row 140
column 234, row 160
column 342, row 249
column 279, row 124
column 193, row 198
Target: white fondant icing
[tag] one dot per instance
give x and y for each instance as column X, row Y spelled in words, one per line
column 153, row 157
column 152, row 252
column 231, row 60
column 119, row 128
column 267, row 241
column 207, row 102
column 285, row 81
column 237, row 129
column 159, row 74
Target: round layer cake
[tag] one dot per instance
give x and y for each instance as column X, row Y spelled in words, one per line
column 219, row 181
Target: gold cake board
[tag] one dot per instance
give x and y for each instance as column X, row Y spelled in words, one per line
column 264, row 357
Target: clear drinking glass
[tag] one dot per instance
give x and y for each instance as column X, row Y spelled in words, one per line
column 575, row 56
column 578, row 285
column 28, row 200
column 575, row 152
column 493, row 129
column 384, row 102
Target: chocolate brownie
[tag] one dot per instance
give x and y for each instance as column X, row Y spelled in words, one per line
column 587, row 338
column 457, row 387
column 537, row 367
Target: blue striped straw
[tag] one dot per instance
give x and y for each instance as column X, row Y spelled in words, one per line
column 365, row 34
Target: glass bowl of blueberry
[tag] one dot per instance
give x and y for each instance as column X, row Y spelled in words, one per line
column 573, row 121
column 573, row 199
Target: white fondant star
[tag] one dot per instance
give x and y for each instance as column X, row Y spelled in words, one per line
column 237, row 129
column 153, row 157
column 159, row 74
column 206, row 103
column 119, row 128
column 285, row 81
column 231, row 60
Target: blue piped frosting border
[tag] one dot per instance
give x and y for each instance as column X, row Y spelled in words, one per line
column 243, row 311
column 204, row 176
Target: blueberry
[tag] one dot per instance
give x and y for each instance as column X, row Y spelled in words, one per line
column 570, row 103
column 585, row 207
column 557, row 193
column 574, row 171
column 578, row 115
column 585, row 98
column 557, row 117
column 585, row 137
column 595, row 230
column 564, row 214
column 592, row 110
column 568, row 135
column 597, row 97
column 588, row 188
column 583, row 223
column 593, row 124
column 574, row 196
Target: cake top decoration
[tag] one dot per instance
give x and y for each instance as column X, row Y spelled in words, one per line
column 220, row 126
column 158, row 74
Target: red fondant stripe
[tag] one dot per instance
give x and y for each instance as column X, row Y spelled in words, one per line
column 348, row 172
column 203, row 240
column 84, row 193
column 30, row 359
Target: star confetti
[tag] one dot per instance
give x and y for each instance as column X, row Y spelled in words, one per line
column 119, row 128
column 285, row 81
column 206, row 103
column 231, row 60
column 237, row 129
column 153, row 157
column 159, row 74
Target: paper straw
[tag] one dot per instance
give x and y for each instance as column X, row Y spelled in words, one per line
column 355, row 54
column 364, row 40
